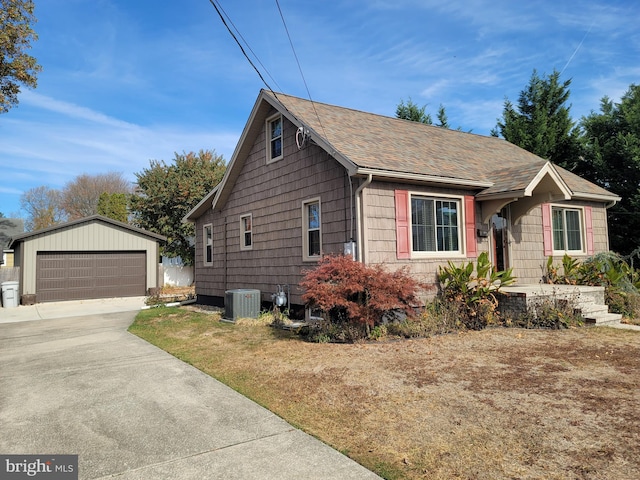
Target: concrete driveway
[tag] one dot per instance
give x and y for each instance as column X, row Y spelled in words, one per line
column 84, row 385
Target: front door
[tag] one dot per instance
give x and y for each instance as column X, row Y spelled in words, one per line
column 500, row 239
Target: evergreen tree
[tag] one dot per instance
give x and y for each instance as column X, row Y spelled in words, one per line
column 541, row 123
column 612, row 160
column 411, row 111
column 113, row 205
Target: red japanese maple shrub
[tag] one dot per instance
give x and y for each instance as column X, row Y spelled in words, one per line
column 358, row 294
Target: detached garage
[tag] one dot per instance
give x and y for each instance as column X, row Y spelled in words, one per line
column 94, row 257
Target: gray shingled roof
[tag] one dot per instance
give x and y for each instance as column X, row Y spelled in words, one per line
column 390, row 144
column 9, row 227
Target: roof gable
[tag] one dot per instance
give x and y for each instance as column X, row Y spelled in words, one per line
column 87, row 220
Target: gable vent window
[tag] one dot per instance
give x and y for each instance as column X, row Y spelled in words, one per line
column 274, row 137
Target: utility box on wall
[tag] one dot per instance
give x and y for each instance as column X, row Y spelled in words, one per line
column 241, row 303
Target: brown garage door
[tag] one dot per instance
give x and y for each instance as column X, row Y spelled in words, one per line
column 83, row 275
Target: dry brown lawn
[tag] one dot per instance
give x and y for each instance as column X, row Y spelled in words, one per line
column 493, row 404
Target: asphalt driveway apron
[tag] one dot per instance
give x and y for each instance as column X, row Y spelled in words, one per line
column 86, row 386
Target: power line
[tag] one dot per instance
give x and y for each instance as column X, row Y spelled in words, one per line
column 219, row 10
column 222, row 14
column 300, row 69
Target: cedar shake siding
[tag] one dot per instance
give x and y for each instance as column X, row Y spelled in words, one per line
column 527, row 248
column 526, row 243
column 273, row 193
column 381, row 236
column 369, row 172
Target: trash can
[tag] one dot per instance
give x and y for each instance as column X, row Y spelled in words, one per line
column 10, row 294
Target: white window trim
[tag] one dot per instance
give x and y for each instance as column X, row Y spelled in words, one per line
column 268, row 123
column 204, row 244
column 305, row 230
column 583, row 231
column 243, row 246
column 460, row 253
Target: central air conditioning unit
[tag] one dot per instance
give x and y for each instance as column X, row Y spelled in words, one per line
column 241, row 303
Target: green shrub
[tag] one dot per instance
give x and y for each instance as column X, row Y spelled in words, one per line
column 472, row 289
column 605, row 269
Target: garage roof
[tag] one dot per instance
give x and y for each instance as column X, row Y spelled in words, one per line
column 87, row 220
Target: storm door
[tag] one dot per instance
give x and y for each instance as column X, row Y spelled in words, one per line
column 500, row 239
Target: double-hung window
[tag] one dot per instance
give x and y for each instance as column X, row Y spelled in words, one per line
column 435, row 224
column 246, row 232
column 311, row 230
column 207, row 243
column 274, row 138
column 567, row 229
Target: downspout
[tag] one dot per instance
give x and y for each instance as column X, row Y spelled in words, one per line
column 359, row 235
column 607, row 206
column 225, row 253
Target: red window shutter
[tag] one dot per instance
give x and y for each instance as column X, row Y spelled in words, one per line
column 588, row 221
column 470, row 226
column 403, row 244
column 547, row 231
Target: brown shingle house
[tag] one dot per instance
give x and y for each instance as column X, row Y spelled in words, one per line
column 307, row 179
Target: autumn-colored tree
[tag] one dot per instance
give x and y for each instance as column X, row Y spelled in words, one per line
column 80, row 196
column 350, row 291
column 16, row 66
column 166, row 192
column 42, row 208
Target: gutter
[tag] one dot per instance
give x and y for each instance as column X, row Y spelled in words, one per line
column 419, row 177
column 359, row 232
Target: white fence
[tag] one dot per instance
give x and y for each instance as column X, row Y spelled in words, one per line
column 175, row 274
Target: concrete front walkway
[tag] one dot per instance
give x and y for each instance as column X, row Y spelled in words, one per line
column 84, row 385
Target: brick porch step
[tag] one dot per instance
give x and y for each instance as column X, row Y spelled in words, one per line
column 589, row 301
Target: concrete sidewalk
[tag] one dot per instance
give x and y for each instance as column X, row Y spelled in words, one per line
column 42, row 311
column 84, row 385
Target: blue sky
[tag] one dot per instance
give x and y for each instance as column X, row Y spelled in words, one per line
column 127, row 81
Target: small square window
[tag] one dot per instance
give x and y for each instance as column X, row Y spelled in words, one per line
column 246, row 232
column 274, row 137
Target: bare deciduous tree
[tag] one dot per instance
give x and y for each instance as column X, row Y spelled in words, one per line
column 42, row 206
column 81, row 195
